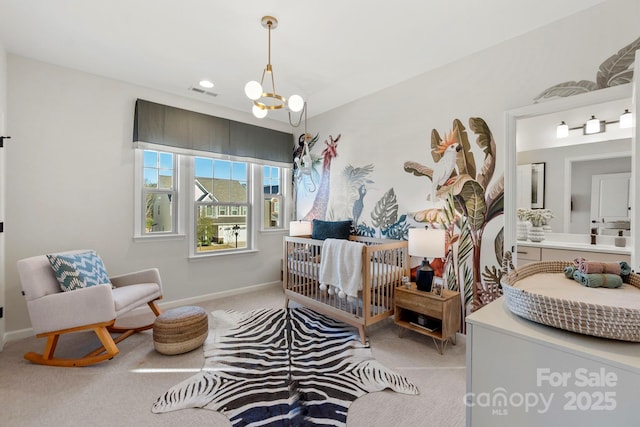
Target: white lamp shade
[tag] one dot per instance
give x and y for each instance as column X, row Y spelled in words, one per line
column 253, row 90
column 426, row 242
column 592, row 126
column 300, row 228
column 296, row 103
column 259, row 112
column 626, row 120
column 562, row 131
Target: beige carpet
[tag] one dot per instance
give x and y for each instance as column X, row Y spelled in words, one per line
column 121, row 391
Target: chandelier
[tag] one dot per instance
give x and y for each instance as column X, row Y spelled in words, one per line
column 263, row 99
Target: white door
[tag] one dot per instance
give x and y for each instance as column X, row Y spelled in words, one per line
column 610, row 197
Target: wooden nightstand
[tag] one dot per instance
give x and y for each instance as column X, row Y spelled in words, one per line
column 414, row 308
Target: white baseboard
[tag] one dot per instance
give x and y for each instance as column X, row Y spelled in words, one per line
column 28, row 332
column 18, row 335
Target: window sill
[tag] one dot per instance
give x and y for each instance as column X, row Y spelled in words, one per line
column 158, row 238
column 274, row 230
column 219, row 254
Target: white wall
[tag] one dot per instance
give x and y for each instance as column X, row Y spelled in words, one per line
column 70, row 180
column 394, row 125
column 3, row 109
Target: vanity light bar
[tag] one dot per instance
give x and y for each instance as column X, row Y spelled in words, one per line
column 595, row 125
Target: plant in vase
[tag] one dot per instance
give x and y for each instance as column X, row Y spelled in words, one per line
column 538, row 218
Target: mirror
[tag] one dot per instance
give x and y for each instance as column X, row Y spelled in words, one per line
column 571, row 163
column 531, row 138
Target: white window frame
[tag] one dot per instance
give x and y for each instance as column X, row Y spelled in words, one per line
column 193, row 206
column 184, row 210
column 141, row 192
column 281, row 196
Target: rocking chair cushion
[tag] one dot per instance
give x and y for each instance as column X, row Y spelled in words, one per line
column 80, row 270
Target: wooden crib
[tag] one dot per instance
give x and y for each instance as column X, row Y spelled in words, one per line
column 384, row 262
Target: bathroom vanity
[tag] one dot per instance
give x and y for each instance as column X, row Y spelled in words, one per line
column 560, row 247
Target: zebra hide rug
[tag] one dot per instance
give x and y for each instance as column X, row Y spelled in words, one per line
column 287, row 367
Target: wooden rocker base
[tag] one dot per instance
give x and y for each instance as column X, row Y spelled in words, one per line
column 103, row 330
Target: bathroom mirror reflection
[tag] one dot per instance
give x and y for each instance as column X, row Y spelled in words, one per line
column 584, row 178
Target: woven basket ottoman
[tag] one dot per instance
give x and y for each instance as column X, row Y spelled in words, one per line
column 180, row 330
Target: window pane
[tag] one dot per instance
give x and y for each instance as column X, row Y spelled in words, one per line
column 150, row 159
column 166, row 179
column 272, row 212
column 166, row 161
column 150, row 178
column 158, row 213
column 222, row 231
column 158, row 169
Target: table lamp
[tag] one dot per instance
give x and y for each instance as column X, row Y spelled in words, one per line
column 300, row 228
column 426, row 242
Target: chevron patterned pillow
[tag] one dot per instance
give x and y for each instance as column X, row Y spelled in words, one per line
column 77, row 271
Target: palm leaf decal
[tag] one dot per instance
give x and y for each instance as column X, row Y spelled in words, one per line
column 385, row 213
column 615, row 70
column 617, row 65
column 488, row 144
column 567, row 89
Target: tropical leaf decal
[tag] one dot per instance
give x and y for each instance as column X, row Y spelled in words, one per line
column 466, row 162
column 615, row 70
column 498, row 246
column 567, row 89
column 418, row 169
column 356, row 176
column 465, row 244
column 617, row 64
column 495, row 207
column 487, row 143
column 364, row 230
column 435, row 142
column 476, row 209
column 622, row 78
column 385, row 212
column 467, row 277
column 429, row 215
column 398, row 230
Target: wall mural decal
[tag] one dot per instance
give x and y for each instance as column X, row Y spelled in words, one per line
column 349, row 204
column 471, row 201
column 466, row 200
column 615, row 70
column 318, row 209
column 303, row 164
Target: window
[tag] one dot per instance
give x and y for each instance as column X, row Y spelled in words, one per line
column 158, row 192
column 272, row 199
column 222, row 205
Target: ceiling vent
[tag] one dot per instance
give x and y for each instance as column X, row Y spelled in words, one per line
column 202, row 91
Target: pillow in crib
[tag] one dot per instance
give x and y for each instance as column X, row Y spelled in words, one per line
column 330, row 229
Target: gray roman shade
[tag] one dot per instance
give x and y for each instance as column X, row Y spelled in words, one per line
column 191, row 131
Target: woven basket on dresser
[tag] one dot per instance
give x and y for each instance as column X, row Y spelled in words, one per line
column 600, row 320
column 180, row 330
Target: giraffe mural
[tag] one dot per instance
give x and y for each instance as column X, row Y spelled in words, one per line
column 321, row 201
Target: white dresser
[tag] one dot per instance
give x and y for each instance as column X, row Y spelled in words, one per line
column 520, row 373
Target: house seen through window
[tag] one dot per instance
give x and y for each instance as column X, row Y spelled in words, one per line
column 158, row 192
column 222, row 200
column 222, row 206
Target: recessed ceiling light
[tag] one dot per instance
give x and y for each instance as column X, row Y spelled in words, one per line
column 206, row 83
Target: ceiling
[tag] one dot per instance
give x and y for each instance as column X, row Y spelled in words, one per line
column 329, row 51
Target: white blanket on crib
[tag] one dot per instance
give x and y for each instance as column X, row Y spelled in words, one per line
column 341, row 265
